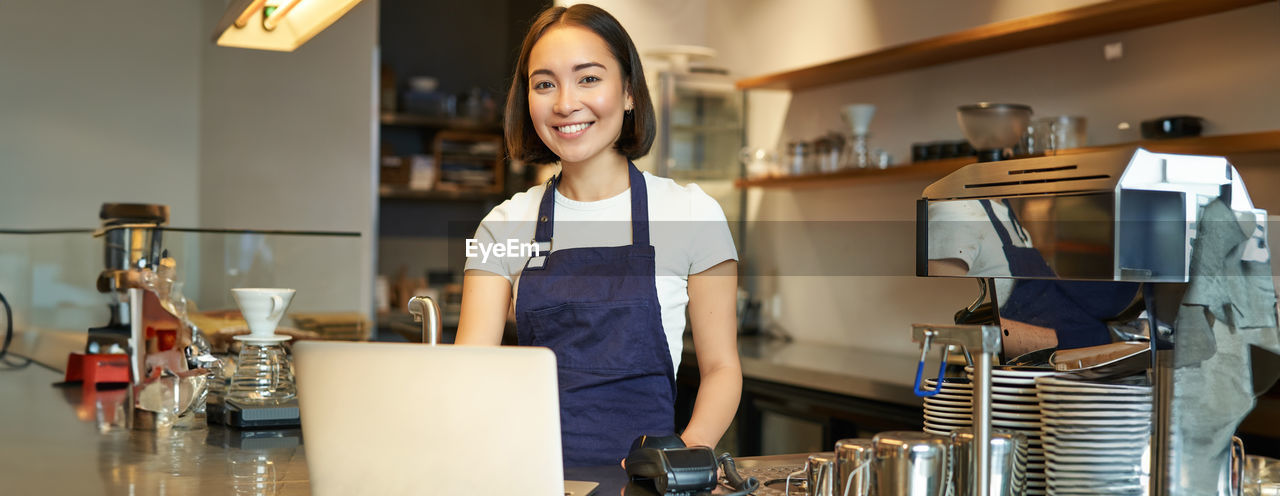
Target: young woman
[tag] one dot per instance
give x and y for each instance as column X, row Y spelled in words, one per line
column 629, row 253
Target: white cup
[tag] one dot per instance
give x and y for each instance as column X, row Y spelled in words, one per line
column 262, row 308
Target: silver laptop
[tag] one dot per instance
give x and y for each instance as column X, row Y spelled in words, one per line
column 390, row 418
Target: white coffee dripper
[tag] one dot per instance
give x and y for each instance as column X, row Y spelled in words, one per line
column 858, row 117
column 262, row 309
column 263, row 374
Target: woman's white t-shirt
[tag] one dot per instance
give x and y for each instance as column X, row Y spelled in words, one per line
column 962, row 230
column 687, row 229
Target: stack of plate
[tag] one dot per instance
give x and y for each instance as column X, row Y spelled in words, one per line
column 1095, row 436
column 951, row 408
column 1015, row 407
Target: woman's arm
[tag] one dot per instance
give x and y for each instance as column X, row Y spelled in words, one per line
column 486, row 298
column 713, row 315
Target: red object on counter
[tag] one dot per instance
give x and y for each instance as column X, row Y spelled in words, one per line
column 98, row 369
column 109, row 403
column 166, row 339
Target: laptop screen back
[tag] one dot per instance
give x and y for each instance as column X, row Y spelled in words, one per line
column 387, row 418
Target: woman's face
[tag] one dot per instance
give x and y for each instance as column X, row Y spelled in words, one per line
column 577, row 94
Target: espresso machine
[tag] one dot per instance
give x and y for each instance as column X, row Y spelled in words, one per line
column 1174, row 242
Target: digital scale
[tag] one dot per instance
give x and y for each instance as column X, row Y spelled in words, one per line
column 240, row 416
column 255, row 440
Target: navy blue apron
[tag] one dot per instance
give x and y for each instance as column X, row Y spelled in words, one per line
column 1075, row 310
column 597, row 309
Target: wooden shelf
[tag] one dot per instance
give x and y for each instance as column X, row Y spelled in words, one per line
column 404, row 193
column 1016, row 34
column 930, row 169
column 458, row 123
column 1265, row 141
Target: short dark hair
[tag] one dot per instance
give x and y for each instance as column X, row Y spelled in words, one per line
column 638, row 126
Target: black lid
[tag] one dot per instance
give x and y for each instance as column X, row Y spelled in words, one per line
column 133, row 213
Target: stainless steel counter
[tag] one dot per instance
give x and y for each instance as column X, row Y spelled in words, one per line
column 843, row 370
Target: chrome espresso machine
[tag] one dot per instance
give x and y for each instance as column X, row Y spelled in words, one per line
column 1119, row 245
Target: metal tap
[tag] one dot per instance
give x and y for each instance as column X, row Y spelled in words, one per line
column 424, row 305
column 983, row 342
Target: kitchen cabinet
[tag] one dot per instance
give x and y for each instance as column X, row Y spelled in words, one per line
column 461, row 158
column 700, row 126
column 777, row 418
column 424, row 121
column 803, row 397
column 815, row 420
column 468, row 49
column 440, row 176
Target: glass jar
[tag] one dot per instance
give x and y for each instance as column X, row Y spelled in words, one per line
column 798, row 158
column 263, row 376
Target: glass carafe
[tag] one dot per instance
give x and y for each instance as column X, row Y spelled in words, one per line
column 264, row 375
column 855, row 154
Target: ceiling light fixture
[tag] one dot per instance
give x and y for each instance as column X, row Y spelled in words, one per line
column 285, row 24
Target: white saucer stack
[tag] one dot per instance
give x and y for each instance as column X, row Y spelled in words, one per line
column 951, row 408
column 1015, row 407
column 1095, row 436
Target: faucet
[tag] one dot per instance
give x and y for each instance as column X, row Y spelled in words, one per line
column 420, row 306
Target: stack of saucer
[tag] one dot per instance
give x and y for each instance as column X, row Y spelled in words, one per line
column 1095, row 436
column 1015, row 407
column 951, row 408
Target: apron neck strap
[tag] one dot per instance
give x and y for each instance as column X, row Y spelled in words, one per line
column 639, row 209
column 1005, row 239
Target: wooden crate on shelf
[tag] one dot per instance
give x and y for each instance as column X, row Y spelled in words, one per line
column 393, row 170
column 469, row 161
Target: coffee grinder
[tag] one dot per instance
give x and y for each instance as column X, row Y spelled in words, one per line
column 994, row 129
column 115, row 352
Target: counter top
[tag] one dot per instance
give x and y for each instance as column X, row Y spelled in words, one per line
column 845, row 370
column 51, row 443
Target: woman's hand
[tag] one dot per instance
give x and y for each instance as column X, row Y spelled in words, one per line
column 691, row 441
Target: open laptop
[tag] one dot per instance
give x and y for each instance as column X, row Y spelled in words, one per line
column 393, row 418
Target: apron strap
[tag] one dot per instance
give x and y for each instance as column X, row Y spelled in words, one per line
column 546, row 212
column 639, row 209
column 1005, row 240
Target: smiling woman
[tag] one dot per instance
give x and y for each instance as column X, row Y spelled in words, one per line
column 631, row 252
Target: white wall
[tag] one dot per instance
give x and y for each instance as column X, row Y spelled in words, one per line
column 99, row 104
column 90, row 112
column 287, row 142
column 654, row 23
column 755, row 37
column 129, row 101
